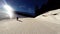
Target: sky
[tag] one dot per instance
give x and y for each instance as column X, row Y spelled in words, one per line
column 23, row 5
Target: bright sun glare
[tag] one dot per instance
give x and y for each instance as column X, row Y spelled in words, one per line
column 9, row 10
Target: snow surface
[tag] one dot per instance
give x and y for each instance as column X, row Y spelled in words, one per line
column 43, row 24
column 50, row 17
column 28, row 26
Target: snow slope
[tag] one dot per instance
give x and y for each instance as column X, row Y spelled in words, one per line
column 28, row 26
column 44, row 24
column 51, row 16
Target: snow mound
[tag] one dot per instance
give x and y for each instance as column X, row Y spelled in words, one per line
column 51, row 16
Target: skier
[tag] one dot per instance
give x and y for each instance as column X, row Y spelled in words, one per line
column 17, row 18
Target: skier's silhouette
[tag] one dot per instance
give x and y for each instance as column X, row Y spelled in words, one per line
column 17, row 18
